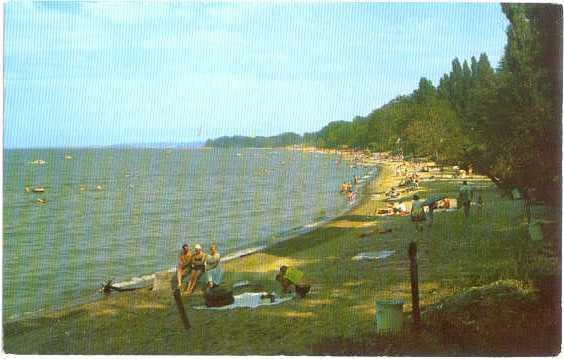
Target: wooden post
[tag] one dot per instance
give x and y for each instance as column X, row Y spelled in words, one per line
column 181, row 310
column 416, row 313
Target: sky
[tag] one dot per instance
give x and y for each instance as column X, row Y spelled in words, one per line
column 102, row 73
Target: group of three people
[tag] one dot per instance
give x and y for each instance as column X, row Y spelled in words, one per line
column 196, row 264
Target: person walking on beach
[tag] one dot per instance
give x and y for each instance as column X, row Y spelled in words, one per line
column 464, row 197
column 183, row 266
column 198, row 261
column 417, row 213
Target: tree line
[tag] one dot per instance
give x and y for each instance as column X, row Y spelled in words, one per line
column 505, row 122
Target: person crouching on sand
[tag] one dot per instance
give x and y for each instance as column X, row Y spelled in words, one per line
column 198, row 261
column 183, row 267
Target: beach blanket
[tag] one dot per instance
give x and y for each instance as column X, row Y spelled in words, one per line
column 248, row 300
column 372, row 255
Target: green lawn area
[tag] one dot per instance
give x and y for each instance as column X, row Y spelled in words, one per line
column 463, row 312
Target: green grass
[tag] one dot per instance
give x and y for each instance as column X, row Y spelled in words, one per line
column 337, row 317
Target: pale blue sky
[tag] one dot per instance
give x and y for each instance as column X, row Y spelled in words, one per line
column 81, row 74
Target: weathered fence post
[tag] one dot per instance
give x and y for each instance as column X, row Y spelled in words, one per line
column 416, row 313
column 181, row 310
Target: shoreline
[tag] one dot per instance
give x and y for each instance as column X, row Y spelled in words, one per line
column 147, row 280
column 383, row 173
column 302, row 230
column 338, row 316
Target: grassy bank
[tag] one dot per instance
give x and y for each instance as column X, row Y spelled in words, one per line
column 458, row 261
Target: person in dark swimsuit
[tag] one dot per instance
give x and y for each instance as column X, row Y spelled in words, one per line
column 198, row 261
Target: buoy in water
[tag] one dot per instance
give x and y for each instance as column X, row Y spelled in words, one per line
column 98, row 188
column 68, row 157
column 27, row 189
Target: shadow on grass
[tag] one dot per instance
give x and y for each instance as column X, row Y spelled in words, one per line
column 28, row 325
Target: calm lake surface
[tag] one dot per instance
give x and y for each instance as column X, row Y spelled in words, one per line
column 149, row 202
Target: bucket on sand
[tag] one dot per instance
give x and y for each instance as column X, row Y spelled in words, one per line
column 389, row 316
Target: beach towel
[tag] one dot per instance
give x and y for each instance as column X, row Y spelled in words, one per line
column 372, row 255
column 248, row 300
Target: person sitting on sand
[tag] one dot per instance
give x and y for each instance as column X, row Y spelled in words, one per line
column 198, row 261
column 392, row 193
column 183, row 266
column 445, row 203
column 399, row 208
column 213, row 269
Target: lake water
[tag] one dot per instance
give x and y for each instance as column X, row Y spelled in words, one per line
column 149, row 202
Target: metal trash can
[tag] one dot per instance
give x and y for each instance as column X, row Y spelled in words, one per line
column 389, row 316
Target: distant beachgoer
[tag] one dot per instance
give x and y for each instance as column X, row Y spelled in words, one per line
column 417, row 213
column 480, row 205
column 198, row 261
column 343, row 187
column 183, row 266
column 214, row 273
column 399, row 208
column 430, row 213
column 464, row 197
column 392, row 193
column 446, row 203
column 355, row 179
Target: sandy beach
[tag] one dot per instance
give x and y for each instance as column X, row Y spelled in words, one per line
column 338, row 316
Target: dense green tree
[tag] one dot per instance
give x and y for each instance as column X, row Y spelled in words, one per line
column 523, row 134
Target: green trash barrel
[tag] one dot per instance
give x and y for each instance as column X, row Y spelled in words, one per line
column 535, row 231
column 389, row 316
